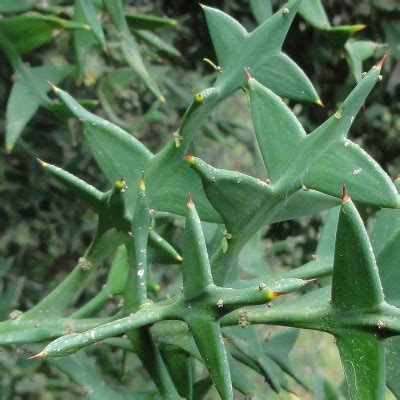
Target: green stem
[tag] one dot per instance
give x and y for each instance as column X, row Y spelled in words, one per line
column 201, row 107
column 93, row 305
column 274, row 316
column 38, row 330
column 70, row 344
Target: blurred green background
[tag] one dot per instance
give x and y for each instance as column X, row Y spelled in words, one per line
column 43, row 231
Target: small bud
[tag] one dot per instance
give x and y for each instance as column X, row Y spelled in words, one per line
column 379, row 78
column 285, row 11
column 84, row 264
column 142, row 185
column 243, row 320
column 220, row 303
column 190, row 159
column 228, row 235
column 15, row 314
column 273, row 295
column 120, row 185
column 199, row 97
column 338, row 114
column 363, row 75
column 178, row 138
column 262, row 286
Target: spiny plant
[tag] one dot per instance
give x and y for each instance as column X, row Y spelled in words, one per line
column 42, row 24
column 355, row 51
column 213, row 317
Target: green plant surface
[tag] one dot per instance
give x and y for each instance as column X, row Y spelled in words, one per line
column 170, row 214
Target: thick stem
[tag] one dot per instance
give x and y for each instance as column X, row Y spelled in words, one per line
column 201, row 107
column 38, row 330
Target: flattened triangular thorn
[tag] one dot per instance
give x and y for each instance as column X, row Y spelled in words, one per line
column 53, row 86
column 42, row 163
column 380, row 63
column 142, row 184
column 190, row 159
column 248, row 74
column 345, row 194
column 42, row 354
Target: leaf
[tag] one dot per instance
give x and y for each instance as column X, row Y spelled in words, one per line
column 238, row 50
column 314, row 13
column 146, row 21
column 129, row 47
column 278, row 131
column 89, row 11
column 363, row 360
column 355, row 279
column 84, row 42
column 27, row 96
column 30, row 31
column 130, row 50
column 155, row 41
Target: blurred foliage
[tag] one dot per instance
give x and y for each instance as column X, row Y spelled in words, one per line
column 42, row 236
